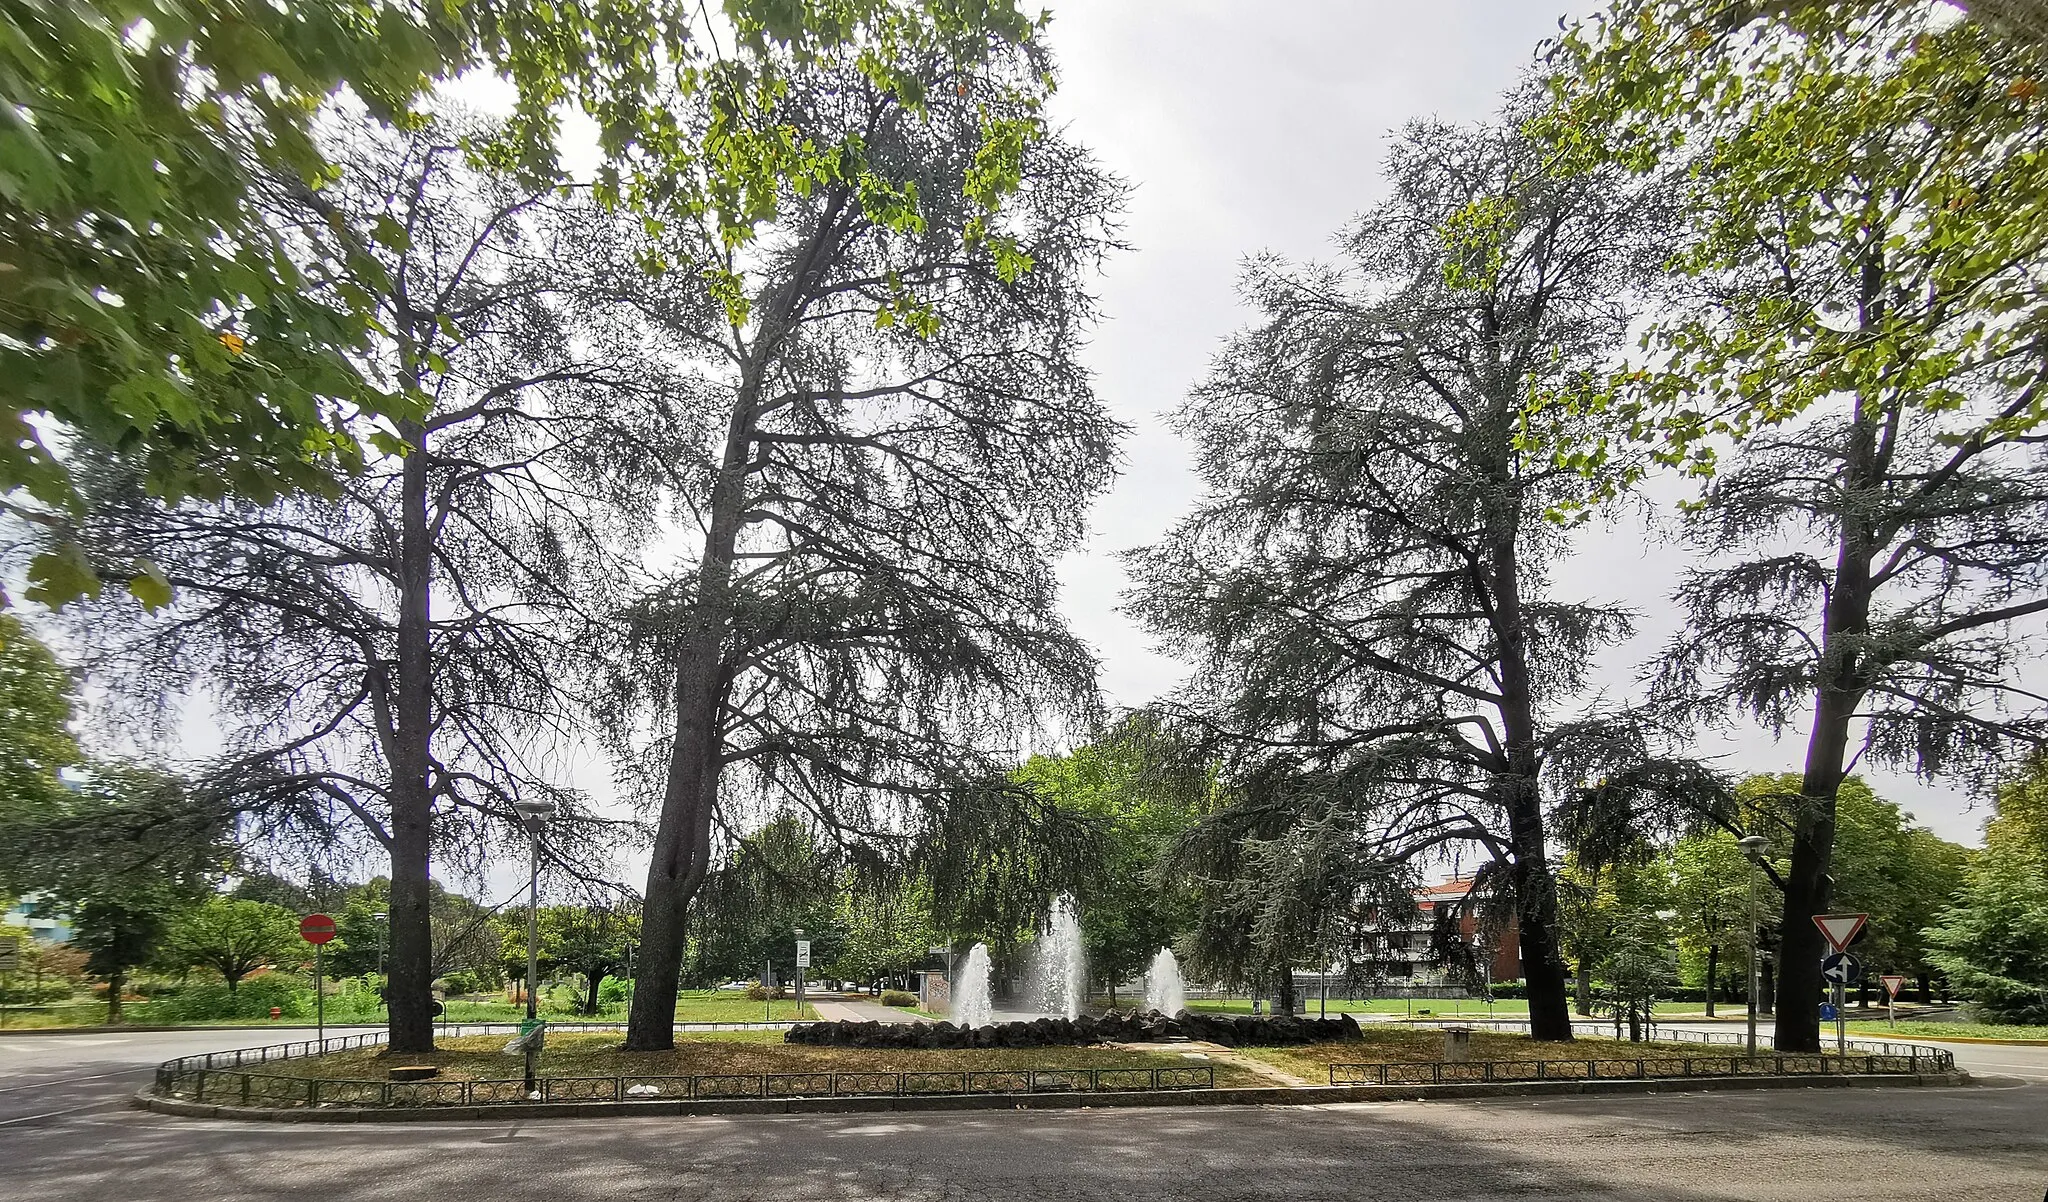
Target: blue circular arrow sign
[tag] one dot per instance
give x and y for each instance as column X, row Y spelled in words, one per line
column 1841, row 968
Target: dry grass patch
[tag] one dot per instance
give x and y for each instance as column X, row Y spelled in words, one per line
column 1402, row 1045
column 481, row 1057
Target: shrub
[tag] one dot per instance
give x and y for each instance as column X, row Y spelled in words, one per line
column 613, row 991
column 897, row 997
column 253, row 1000
column 460, row 982
column 757, row 992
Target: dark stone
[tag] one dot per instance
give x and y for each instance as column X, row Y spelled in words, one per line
column 1230, row 1031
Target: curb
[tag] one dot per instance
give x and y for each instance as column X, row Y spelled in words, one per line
column 2004, row 1043
column 1313, row 1095
column 124, row 1028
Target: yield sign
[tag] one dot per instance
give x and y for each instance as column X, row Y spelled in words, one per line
column 1839, row 929
column 1892, row 984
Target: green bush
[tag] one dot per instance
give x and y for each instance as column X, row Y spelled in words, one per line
column 253, row 1000
column 613, row 991
column 897, row 997
column 757, row 992
column 25, row 993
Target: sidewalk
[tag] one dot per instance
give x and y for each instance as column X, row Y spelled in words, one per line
column 863, row 1012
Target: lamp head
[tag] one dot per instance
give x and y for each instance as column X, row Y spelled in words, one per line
column 1753, row 847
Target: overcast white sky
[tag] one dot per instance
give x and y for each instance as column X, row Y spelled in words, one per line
column 1248, row 127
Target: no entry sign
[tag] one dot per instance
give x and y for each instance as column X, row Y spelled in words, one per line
column 316, row 929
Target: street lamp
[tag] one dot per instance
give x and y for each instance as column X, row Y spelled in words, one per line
column 798, row 1013
column 533, row 815
column 1753, row 848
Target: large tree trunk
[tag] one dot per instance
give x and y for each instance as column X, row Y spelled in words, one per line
column 409, row 981
column 597, row 977
column 682, row 836
column 1713, row 974
column 117, row 983
column 1839, row 691
column 1550, row 1011
column 1583, row 990
column 1767, row 986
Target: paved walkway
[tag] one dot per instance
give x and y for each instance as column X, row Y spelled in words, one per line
column 863, row 1012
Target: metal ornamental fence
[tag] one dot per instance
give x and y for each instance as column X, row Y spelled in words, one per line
column 1943, row 1059
column 1640, row 1068
column 235, row 1077
column 239, row 1087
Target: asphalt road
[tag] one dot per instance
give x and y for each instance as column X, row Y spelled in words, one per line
column 66, row 1135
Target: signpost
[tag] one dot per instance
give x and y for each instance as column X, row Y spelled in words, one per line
column 10, row 963
column 317, row 929
column 1893, row 982
column 1840, row 930
column 803, row 961
column 1839, row 968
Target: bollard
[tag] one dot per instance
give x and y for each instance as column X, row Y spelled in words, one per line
column 276, row 1012
column 1457, row 1045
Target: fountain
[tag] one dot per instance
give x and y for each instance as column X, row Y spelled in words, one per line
column 1164, row 990
column 972, row 1006
column 1057, row 962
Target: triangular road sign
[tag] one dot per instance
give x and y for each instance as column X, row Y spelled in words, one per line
column 1839, row 929
column 1892, row 983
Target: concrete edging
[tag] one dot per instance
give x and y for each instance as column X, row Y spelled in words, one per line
column 1312, row 1095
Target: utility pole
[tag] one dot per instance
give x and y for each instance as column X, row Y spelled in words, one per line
column 1752, row 849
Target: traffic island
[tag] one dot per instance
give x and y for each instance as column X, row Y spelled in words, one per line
column 588, row 1076
column 1235, row 1096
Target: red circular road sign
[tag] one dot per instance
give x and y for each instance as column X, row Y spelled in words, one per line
column 316, row 928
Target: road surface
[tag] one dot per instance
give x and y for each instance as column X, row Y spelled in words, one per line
column 68, row 1136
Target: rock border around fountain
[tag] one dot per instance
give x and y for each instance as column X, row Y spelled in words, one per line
column 1232, row 1031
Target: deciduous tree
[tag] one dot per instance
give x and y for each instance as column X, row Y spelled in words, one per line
column 392, row 664
column 1384, row 668
column 233, row 937
column 153, row 305
column 886, row 439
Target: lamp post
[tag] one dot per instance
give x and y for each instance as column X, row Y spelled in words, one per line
column 1753, row 849
column 533, row 815
column 798, row 1013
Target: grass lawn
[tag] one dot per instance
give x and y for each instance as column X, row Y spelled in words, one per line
column 1432, row 1007
column 1912, row 1030
column 1405, row 1045
column 692, row 1006
column 594, row 1055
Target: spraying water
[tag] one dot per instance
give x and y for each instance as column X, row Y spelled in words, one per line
column 972, row 1005
column 1164, row 990
column 1057, row 962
